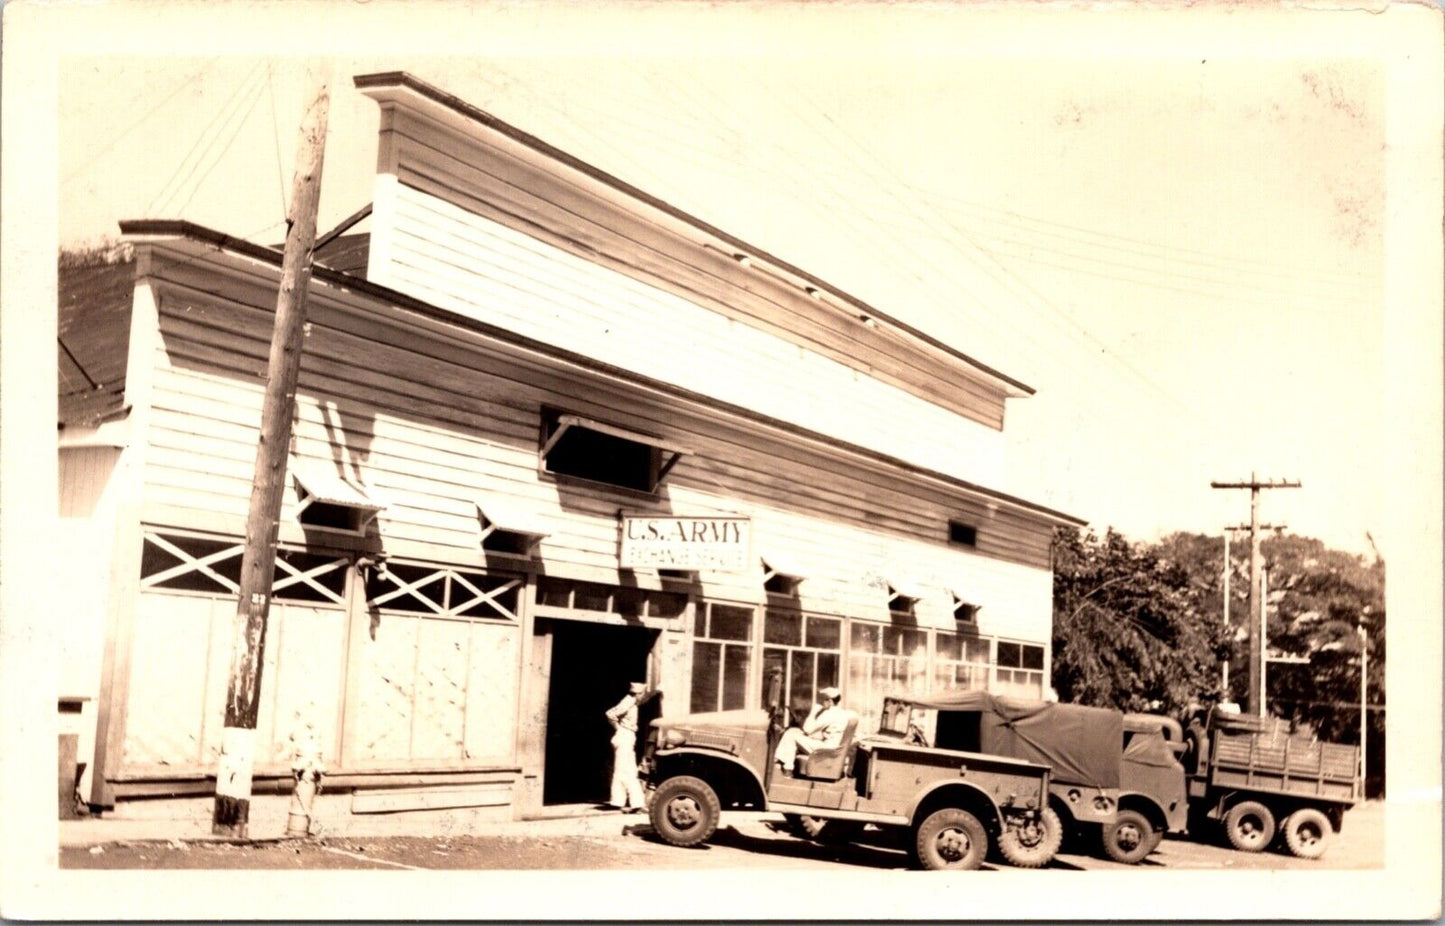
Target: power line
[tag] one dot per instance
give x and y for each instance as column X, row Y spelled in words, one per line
column 105, row 149
column 216, row 120
column 276, row 134
column 225, row 148
column 1268, row 266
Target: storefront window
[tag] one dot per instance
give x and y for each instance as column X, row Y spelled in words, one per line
column 803, row 651
column 882, row 660
column 721, row 656
column 1020, row 670
column 961, row 661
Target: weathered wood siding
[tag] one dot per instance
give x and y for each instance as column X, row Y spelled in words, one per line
column 86, row 534
column 434, row 423
column 460, row 261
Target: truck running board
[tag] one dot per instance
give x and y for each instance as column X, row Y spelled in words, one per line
column 826, row 813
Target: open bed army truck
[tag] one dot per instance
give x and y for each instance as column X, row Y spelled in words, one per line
column 953, row 804
column 1260, row 782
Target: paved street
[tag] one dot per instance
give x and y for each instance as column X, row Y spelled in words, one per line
column 614, row 842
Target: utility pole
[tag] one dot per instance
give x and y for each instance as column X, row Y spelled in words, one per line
column 1364, row 708
column 1228, row 568
column 1255, row 704
column 258, row 561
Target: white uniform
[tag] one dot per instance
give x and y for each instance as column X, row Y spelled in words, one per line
column 822, row 730
column 626, row 789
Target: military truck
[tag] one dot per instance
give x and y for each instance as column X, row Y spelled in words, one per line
column 1152, row 795
column 1086, row 748
column 1258, row 781
column 951, row 805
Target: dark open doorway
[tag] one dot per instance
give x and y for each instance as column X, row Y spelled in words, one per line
column 591, row 666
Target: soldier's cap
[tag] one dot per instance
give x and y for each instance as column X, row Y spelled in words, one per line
column 831, row 693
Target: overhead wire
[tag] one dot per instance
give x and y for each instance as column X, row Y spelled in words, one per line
column 106, row 148
column 276, row 135
column 220, row 118
column 226, row 147
column 1070, row 323
column 1192, row 255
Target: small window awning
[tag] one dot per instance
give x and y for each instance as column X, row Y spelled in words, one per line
column 672, row 452
column 777, row 565
column 902, row 588
column 316, row 484
column 497, row 515
column 961, row 596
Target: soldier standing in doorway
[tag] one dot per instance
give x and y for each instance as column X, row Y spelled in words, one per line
column 626, row 789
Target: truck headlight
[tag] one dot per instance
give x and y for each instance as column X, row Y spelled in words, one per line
column 673, row 738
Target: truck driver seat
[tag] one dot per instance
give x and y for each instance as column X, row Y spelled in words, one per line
column 830, row 764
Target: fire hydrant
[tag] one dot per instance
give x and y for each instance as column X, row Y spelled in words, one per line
column 307, row 769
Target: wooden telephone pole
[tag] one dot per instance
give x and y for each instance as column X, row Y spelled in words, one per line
column 258, row 561
column 1253, row 703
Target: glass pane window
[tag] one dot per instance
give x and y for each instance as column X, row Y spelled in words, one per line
column 783, row 627
column 802, row 654
column 722, row 656
column 730, row 623
column 961, row 661
column 706, row 676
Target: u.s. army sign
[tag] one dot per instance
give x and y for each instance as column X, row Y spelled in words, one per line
column 714, row 543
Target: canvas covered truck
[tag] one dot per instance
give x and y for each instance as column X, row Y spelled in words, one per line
column 951, row 805
column 1086, row 748
column 1260, row 782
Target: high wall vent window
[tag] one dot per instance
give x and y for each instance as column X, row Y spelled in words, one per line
column 325, row 499
column 599, row 452
column 965, row 535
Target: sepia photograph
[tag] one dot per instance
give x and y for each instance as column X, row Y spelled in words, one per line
column 761, row 460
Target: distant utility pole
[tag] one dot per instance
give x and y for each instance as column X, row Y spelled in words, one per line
column 258, row 560
column 1229, row 533
column 1255, row 704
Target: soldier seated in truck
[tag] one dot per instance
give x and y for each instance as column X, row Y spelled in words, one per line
column 823, row 729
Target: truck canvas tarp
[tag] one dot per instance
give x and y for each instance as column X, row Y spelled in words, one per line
column 1081, row 744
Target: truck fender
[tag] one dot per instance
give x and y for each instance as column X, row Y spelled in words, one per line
column 958, row 794
column 686, row 760
column 1149, row 807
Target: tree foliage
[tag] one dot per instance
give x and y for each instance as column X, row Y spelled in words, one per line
column 1130, row 627
column 1140, row 627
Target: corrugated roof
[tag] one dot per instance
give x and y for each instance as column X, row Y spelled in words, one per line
column 93, row 328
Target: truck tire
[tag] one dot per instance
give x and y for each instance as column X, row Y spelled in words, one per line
column 684, row 811
column 830, row 831
column 1033, row 844
column 1130, row 838
column 1249, row 826
column 1306, row 833
column 951, row 840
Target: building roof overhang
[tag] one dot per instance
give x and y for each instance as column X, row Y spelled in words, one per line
column 197, row 244
column 402, row 88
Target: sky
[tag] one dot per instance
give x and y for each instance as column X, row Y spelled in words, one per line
column 1183, row 255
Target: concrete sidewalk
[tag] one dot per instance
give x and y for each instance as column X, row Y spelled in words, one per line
column 268, row 823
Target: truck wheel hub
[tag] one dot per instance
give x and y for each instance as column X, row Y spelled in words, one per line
column 952, row 844
column 1129, row 837
column 683, row 812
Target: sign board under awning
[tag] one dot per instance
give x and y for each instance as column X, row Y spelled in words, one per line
column 716, row 543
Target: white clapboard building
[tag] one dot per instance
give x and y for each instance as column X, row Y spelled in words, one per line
column 552, row 436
